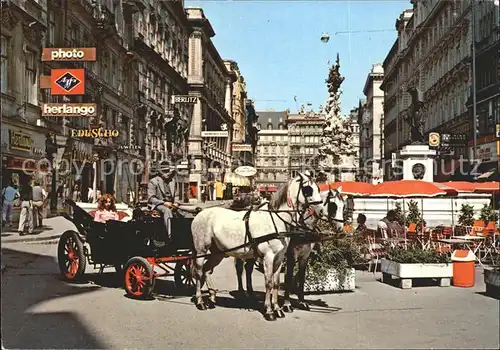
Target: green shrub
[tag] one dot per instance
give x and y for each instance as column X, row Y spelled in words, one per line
column 416, row 255
column 414, row 215
column 466, row 217
column 488, row 214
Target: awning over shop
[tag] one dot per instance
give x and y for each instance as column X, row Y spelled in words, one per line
column 236, row 180
column 268, row 189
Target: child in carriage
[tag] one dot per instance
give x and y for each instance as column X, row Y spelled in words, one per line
column 106, row 209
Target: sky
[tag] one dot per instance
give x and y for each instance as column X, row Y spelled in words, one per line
column 279, row 52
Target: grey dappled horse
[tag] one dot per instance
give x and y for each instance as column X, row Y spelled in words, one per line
column 218, row 231
column 297, row 252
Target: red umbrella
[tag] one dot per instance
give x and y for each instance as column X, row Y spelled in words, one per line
column 354, row 188
column 410, row 188
column 487, row 187
column 460, row 186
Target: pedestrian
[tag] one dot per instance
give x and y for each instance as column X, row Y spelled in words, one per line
column 39, row 196
column 91, row 195
column 26, row 217
column 77, row 194
column 9, row 195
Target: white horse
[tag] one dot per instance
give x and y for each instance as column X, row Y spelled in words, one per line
column 217, row 230
column 298, row 251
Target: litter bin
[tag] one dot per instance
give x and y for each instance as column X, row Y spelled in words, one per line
column 464, row 271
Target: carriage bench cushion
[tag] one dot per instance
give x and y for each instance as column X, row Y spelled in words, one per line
column 121, row 214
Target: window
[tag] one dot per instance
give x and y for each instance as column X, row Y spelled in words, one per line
column 114, row 67
column 30, row 91
column 51, row 37
column 4, row 77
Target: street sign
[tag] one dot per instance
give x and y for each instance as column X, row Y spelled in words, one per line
column 214, row 134
column 184, row 99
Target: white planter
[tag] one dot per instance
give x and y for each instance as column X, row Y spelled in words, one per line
column 407, row 272
column 492, row 281
column 333, row 283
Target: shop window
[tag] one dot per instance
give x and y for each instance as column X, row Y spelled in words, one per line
column 30, row 91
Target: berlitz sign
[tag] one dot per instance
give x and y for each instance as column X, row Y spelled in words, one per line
column 86, row 54
column 184, row 99
column 69, row 109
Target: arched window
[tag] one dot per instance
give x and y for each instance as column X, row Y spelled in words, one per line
column 269, row 126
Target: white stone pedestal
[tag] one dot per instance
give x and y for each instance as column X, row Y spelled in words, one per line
column 415, row 157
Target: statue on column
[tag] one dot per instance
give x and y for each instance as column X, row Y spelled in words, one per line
column 415, row 120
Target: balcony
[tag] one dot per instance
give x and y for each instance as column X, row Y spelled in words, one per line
column 134, row 6
column 105, row 19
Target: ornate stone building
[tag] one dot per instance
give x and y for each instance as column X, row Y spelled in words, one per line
column 272, row 150
column 23, row 28
column 304, row 134
column 372, row 126
column 432, row 54
column 212, row 123
column 242, row 149
column 487, row 87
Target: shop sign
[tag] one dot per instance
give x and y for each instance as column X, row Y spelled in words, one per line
column 214, row 134
column 434, row 139
column 184, row 99
column 67, row 81
column 69, row 110
column 242, row 148
column 85, row 54
column 95, row 133
column 246, row 171
column 20, row 141
column 487, row 152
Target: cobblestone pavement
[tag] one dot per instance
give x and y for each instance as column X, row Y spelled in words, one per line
column 41, row 311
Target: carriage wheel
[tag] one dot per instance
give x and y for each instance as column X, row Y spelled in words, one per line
column 139, row 278
column 183, row 275
column 71, row 256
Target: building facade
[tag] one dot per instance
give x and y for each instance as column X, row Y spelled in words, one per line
column 241, row 149
column 272, row 150
column 304, row 140
column 372, row 126
column 349, row 163
column 23, row 29
column 212, row 123
column 431, row 54
column 487, row 28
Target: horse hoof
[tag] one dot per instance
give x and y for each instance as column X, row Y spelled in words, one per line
column 288, row 308
column 201, row 306
column 270, row 317
column 304, row 306
column 210, row 304
column 279, row 313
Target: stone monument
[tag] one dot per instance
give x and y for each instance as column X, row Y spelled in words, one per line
column 417, row 158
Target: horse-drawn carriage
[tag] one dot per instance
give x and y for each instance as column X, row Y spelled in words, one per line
column 133, row 248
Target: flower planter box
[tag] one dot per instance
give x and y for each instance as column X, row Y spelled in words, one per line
column 408, row 272
column 333, row 282
column 492, row 281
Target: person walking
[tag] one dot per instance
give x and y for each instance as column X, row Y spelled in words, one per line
column 77, row 194
column 9, row 195
column 39, row 196
column 26, row 217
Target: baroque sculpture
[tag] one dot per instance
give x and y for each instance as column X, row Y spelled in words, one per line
column 415, row 120
column 336, row 138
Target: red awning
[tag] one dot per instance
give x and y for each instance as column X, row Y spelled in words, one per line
column 268, row 189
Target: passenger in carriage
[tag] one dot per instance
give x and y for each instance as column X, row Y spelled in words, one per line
column 106, row 209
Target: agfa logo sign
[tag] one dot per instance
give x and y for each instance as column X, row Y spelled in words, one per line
column 67, row 82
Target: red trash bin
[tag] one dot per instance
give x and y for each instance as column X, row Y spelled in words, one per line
column 464, row 270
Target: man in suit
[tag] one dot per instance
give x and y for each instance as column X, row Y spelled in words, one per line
column 162, row 190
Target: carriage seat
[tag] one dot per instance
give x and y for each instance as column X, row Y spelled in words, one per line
column 121, row 214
